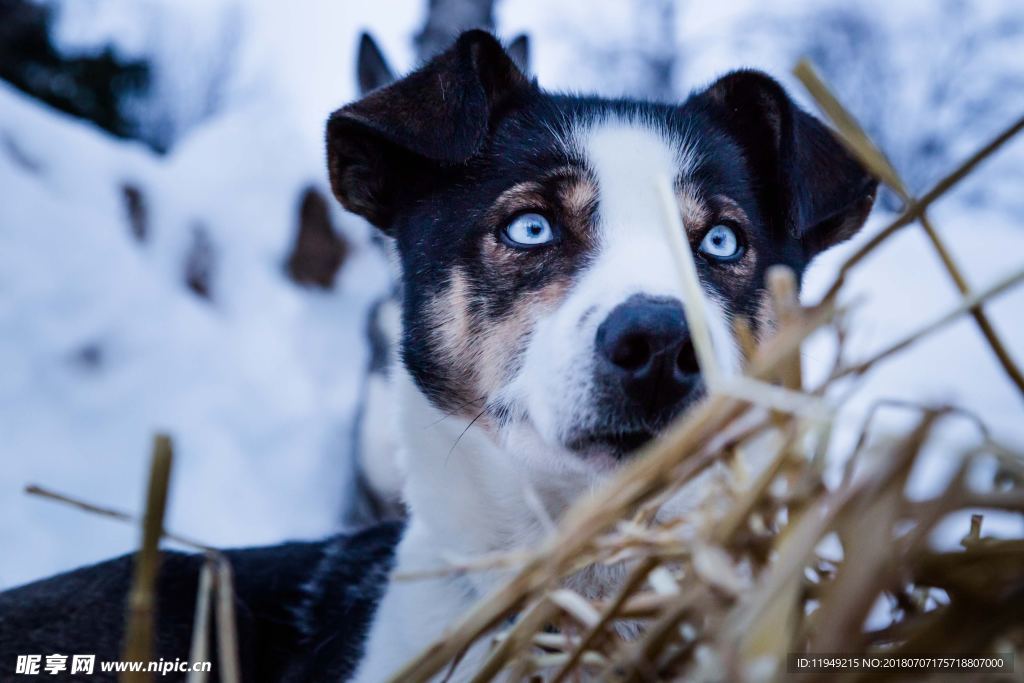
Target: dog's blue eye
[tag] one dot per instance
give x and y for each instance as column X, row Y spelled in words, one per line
column 529, row 230
column 721, row 243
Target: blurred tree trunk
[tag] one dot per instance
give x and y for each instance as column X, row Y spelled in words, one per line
column 661, row 53
column 447, row 18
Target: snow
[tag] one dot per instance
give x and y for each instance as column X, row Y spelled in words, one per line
column 257, row 386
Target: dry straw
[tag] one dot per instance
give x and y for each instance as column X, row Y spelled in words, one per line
column 771, row 562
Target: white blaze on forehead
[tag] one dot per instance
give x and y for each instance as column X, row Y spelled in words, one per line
column 627, row 158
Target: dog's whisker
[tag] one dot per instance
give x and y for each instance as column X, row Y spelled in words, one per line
column 464, row 432
column 455, row 410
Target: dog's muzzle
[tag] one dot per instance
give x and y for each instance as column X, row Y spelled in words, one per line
column 646, row 371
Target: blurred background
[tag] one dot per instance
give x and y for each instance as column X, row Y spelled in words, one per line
column 171, row 258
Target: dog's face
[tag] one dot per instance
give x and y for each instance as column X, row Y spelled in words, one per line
column 540, row 298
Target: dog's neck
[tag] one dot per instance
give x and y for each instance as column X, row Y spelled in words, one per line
column 468, row 499
column 474, row 497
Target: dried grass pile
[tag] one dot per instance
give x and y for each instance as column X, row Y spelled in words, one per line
column 776, row 563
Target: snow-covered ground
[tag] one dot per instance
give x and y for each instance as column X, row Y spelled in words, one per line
column 101, row 344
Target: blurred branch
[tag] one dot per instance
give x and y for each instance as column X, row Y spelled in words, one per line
column 36, row 490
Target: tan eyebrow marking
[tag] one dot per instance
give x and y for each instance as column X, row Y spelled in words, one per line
column 727, row 208
column 578, row 195
column 521, row 193
column 696, row 212
column 527, row 194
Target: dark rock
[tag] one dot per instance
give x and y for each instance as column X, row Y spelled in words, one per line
column 200, row 263
column 135, row 207
column 319, row 251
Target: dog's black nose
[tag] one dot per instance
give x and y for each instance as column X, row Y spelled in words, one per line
column 644, row 348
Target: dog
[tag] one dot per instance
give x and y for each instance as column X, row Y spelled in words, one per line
column 543, row 338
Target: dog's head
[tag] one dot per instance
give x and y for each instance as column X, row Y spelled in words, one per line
column 540, row 298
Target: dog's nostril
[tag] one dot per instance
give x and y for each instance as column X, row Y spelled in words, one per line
column 631, row 352
column 686, row 359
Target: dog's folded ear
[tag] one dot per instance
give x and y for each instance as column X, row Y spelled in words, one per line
column 809, row 185
column 439, row 115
